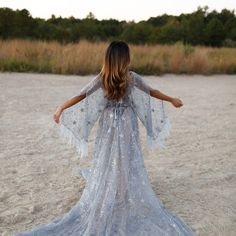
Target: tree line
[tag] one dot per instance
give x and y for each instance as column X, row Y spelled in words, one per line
column 200, row 27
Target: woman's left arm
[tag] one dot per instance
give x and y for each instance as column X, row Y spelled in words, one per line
column 72, row 101
column 68, row 103
column 158, row 94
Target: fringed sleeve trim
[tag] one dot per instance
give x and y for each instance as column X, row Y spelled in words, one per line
column 68, row 137
column 159, row 141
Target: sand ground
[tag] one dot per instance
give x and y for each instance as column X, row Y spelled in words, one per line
column 194, row 176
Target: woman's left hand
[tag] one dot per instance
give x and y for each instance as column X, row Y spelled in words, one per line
column 57, row 114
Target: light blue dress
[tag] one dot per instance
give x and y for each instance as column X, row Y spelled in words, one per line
column 118, row 199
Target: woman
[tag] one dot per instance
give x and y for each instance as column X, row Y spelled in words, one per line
column 118, row 198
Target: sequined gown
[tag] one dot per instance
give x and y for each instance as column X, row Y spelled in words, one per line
column 118, row 199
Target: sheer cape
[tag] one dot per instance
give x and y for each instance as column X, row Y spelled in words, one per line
column 77, row 121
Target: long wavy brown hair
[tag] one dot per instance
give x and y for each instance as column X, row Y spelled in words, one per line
column 115, row 76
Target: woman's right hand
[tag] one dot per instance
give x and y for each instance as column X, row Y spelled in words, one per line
column 177, row 102
column 57, row 114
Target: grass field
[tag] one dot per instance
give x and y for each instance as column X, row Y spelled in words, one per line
column 86, row 58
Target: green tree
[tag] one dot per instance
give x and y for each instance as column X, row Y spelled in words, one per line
column 193, row 27
column 170, row 32
column 90, row 16
column 199, row 27
column 137, row 33
column 214, row 32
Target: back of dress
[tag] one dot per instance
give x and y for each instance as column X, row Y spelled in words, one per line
column 78, row 120
column 118, row 198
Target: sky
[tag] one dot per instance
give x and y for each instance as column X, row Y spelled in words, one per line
column 128, row 10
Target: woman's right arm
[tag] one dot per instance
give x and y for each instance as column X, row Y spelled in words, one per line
column 141, row 84
column 158, row 94
column 68, row 103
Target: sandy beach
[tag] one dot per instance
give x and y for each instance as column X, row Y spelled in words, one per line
column 195, row 176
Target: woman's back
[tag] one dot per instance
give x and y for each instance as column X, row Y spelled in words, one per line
column 118, row 198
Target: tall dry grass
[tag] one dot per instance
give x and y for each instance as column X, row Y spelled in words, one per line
column 86, row 58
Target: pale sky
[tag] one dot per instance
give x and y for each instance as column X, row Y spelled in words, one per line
column 121, row 10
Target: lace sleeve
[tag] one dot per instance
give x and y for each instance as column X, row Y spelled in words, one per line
column 141, row 84
column 151, row 112
column 77, row 121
